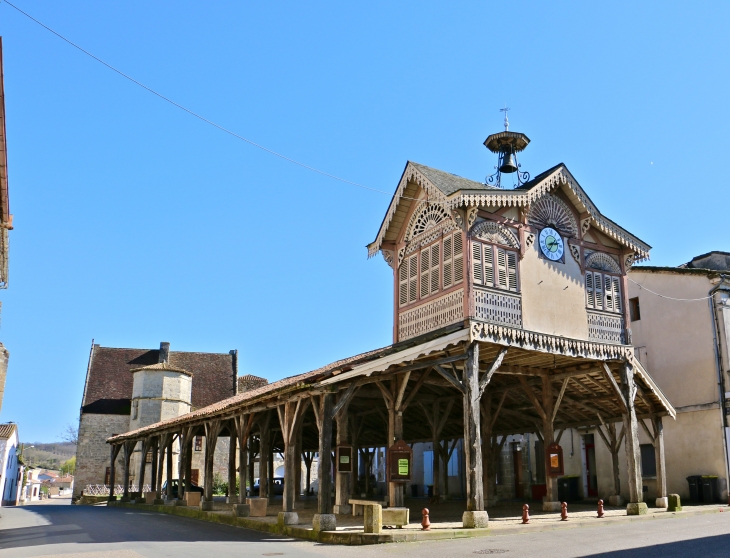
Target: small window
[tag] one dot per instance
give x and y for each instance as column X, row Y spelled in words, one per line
column 198, row 443
column 648, row 460
column 634, row 309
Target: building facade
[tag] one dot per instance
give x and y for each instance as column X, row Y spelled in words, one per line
column 11, row 469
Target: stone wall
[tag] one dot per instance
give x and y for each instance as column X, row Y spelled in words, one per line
column 92, row 452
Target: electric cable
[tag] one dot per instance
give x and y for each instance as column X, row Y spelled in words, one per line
column 668, row 297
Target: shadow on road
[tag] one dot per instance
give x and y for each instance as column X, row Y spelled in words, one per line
column 48, row 525
column 718, row 545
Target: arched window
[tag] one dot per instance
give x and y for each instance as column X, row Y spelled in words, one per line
column 494, row 254
column 603, row 282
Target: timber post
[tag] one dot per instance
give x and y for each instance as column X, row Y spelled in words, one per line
column 212, row 429
column 128, row 449
column 242, row 424
column 290, row 416
column 636, row 505
column 474, row 516
column 142, row 465
column 232, row 497
column 342, row 479
column 112, row 470
column 169, row 468
column 551, row 502
column 153, row 465
column 264, row 455
column 661, row 467
column 161, row 447
column 324, row 519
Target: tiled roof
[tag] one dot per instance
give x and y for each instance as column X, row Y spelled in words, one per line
column 109, row 382
column 449, row 183
column 162, row 366
column 261, row 392
column 7, row 429
column 249, row 382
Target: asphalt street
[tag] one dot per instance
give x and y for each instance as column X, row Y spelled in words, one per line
column 54, row 530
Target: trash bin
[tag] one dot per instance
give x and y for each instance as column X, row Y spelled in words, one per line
column 414, row 490
column 710, row 492
column 695, row 488
column 429, row 488
column 568, row 489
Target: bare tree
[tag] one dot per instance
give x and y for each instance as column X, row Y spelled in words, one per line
column 70, row 434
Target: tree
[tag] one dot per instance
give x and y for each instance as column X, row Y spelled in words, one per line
column 69, row 466
column 71, row 434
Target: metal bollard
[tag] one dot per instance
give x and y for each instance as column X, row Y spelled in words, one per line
column 425, row 523
column 525, row 514
column 600, row 508
column 564, row 512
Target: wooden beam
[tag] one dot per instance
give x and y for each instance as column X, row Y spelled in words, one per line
column 648, row 433
column 614, row 386
column 499, row 408
column 345, row 398
column 415, row 389
column 402, row 391
column 490, row 372
column 533, row 398
column 560, row 399
column 453, row 381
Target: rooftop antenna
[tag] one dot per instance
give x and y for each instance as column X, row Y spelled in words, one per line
column 506, row 145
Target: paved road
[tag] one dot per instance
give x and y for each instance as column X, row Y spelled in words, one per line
column 50, row 530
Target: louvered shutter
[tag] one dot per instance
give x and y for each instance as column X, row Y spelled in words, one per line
column 413, row 278
column 425, row 265
column 435, row 265
column 590, row 294
column 489, row 279
column 477, row 266
column 448, row 262
column 403, row 283
column 512, row 271
column 501, row 278
column 616, row 294
column 458, row 258
column 598, row 287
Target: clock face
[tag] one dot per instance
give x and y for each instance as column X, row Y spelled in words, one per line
column 551, row 244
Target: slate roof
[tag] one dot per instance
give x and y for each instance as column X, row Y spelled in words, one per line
column 449, row 183
column 7, row 429
column 109, row 381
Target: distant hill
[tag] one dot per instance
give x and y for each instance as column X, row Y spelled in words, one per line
column 49, row 456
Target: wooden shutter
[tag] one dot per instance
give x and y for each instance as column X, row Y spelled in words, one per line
column 477, row 266
column 458, row 258
column 403, row 283
column 425, row 266
column 616, row 294
column 501, row 278
column 413, row 278
column 489, row 279
column 435, row 267
column 512, row 271
column 598, row 288
column 448, row 262
column 590, row 293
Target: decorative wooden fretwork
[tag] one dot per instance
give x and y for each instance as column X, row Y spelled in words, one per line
column 602, row 261
column 471, row 216
column 629, row 262
column 426, row 216
column 574, row 251
column 489, row 231
column 604, row 326
column 529, row 239
column 497, row 307
column 585, row 224
column 551, row 211
column 440, row 312
column 388, row 257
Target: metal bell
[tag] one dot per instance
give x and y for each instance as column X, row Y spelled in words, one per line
column 508, row 164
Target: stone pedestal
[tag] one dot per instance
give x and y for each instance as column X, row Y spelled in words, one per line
column 192, row 498
column 551, row 506
column 373, row 519
column 257, row 506
column 242, row 510
column 324, row 522
column 158, row 502
column 662, row 502
column 206, row 506
column 616, row 500
column 232, row 499
column 125, row 499
column 181, row 502
column 140, row 500
column 170, row 502
column 287, row 518
column 150, row 497
column 342, row 509
column 475, row 520
column 639, row 508
column 675, row 504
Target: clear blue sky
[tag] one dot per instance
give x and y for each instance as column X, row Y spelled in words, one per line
column 136, row 223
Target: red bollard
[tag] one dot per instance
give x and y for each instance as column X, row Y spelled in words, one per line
column 525, row 514
column 425, row 523
column 600, row 508
column 564, row 512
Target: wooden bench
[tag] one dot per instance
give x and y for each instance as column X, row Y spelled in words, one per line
column 358, row 506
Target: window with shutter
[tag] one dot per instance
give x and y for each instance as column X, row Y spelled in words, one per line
column 448, row 262
column 512, row 271
column 477, row 265
column 590, row 294
column 425, row 284
column 458, row 258
column 501, row 278
column 413, row 278
column 489, row 279
column 616, row 294
column 598, row 288
column 435, row 265
column 403, row 283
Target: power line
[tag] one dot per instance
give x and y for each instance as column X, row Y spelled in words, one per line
column 668, row 297
column 195, row 114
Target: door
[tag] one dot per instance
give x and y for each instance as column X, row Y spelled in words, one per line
column 517, row 460
column 195, row 476
column 591, row 476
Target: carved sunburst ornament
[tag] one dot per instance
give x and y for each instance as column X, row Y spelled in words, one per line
column 551, row 211
column 603, row 262
column 427, row 216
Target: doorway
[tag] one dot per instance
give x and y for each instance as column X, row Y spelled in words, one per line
column 517, row 461
column 591, row 477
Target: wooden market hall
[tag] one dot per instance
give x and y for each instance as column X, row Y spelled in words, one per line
column 511, row 316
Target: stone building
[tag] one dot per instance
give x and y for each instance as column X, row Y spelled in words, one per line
column 169, row 383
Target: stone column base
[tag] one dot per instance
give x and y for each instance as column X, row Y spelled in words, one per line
column 638, row 508
column 551, row 506
column 343, row 509
column 206, row 506
column 373, row 519
column 324, row 522
column 662, row 502
column 288, row 518
column 158, row 502
column 232, row 499
column 616, row 500
column 181, row 502
column 125, row 499
column 170, row 502
column 675, row 503
column 242, row 510
column 140, row 501
column 475, row 519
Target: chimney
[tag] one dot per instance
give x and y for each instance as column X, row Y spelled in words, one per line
column 164, row 352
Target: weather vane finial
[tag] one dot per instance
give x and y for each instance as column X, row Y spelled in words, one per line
column 506, row 121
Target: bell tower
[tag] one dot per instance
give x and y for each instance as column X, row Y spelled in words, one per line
column 506, row 145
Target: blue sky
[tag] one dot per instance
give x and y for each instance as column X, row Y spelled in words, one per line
column 136, row 223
